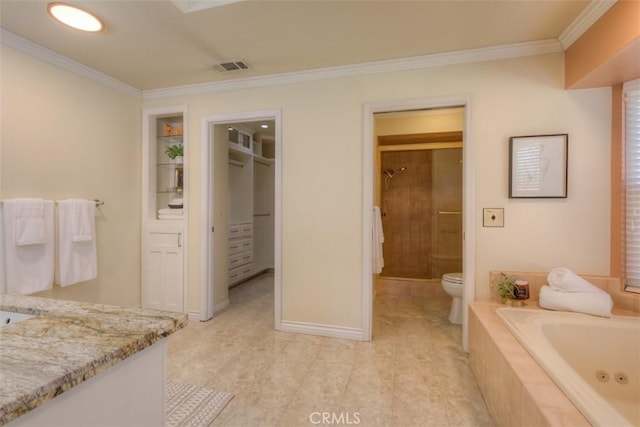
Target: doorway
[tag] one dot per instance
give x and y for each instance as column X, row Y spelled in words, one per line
column 372, row 173
column 241, row 204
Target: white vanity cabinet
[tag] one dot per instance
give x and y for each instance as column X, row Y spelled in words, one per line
column 164, row 229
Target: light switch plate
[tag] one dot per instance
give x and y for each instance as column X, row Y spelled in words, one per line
column 493, row 217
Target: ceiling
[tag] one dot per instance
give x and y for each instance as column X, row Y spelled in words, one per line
column 154, row 44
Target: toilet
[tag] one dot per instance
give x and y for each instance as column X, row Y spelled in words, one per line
column 452, row 285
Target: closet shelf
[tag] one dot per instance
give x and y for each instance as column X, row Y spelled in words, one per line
column 171, row 139
column 240, row 149
column 263, row 160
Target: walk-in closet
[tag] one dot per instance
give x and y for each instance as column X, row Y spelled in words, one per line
column 251, row 199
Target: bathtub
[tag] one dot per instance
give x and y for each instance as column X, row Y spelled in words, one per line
column 594, row 361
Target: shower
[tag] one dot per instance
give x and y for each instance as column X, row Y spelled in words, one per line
column 420, row 201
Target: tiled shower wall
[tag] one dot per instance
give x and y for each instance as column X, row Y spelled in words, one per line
column 422, row 213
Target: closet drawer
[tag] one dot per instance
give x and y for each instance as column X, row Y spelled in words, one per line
column 240, row 230
column 240, row 244
column 238, row 274
column 246, row 230
column 240, row 259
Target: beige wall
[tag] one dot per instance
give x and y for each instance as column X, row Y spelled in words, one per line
column 322, row 133
column 64, row 136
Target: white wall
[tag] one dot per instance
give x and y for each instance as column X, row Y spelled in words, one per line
column 64, row 136
column 322, row 132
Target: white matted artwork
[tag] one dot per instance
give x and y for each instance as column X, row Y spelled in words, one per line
column 538, row 166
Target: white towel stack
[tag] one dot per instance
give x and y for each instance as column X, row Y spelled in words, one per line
column 77, row 253
column 28, row 245
column 378, row 240
column 172, row 214
column 569, row 292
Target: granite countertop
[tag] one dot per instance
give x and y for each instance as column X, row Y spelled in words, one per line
column 67, row 343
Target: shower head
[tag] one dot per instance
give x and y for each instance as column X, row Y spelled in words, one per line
column 391, row 172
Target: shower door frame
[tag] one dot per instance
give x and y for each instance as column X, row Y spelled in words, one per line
column 368, row 191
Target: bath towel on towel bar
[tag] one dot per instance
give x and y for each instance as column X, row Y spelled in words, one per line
column 378, row 240
column 28, row 245
column 77, row 254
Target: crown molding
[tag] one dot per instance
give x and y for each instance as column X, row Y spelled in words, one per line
column 594, row 11
column 9, row 39
column 403, row 64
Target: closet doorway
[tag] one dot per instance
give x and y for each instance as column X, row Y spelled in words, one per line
column 241, row 205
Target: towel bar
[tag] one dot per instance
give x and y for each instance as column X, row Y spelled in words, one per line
column 98, row 202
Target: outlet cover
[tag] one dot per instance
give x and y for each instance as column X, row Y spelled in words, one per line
column 493, row 217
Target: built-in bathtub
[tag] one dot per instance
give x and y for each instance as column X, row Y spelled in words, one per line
column 595, row 361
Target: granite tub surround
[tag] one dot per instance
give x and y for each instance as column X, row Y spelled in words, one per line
column 67, row 343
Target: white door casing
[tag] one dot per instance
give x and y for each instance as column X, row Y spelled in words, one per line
column 207, row 308
column 369, row 161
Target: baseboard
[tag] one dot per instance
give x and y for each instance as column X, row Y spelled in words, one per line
column 194, row 316
column 322, row 330
column 220, row 306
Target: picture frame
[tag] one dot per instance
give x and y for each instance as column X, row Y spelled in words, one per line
column 538, row 166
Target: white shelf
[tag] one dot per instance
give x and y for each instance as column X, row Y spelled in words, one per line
column 240, row 149
column 263, row 160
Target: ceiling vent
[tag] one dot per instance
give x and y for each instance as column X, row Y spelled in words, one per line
column 224, row 67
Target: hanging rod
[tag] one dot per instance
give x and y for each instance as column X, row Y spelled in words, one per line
column 263, row 161
column 236, row 163
column 449, row 213
column 98, row 202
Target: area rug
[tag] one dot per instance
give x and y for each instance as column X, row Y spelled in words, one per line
column 192, row 406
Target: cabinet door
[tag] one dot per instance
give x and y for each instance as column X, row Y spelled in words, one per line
column 163, row 271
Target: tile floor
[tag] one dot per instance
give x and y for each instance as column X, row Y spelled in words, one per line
column 413, row 373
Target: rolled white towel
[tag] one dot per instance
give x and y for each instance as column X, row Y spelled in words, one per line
column 598, row 304
column 565, row 280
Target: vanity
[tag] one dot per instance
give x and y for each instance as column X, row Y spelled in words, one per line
column 81, row 364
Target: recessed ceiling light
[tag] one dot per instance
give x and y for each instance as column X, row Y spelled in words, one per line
column 265, row 126
column 75, row 17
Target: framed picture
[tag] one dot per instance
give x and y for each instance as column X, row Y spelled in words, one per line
column 538, row 166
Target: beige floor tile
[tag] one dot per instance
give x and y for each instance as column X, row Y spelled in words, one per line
column 413, row 373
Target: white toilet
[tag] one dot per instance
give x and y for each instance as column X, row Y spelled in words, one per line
column 452, row 285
